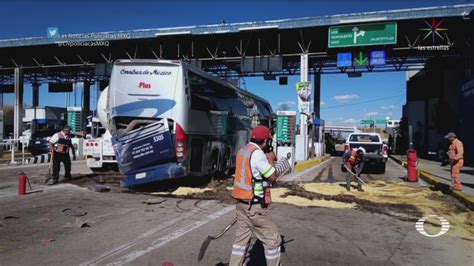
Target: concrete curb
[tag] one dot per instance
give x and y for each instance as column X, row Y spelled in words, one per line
column 307, row 164
column 432, row 179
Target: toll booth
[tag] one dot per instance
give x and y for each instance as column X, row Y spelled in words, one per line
column 318, row 140
column 285, row 135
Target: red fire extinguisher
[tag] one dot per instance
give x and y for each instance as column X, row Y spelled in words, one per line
column 411, row 167
column 22, row 184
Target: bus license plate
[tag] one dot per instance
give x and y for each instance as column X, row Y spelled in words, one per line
column 140, row 175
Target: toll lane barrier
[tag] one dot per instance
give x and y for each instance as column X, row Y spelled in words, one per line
column 432, row 179
column 42, row 158
column 300, row 166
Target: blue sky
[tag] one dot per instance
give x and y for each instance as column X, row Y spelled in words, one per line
column 384, row 91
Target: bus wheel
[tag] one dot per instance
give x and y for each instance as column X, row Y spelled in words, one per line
column 214, row 166
column 226, row 168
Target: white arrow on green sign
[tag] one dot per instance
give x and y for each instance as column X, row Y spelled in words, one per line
column 362, row 35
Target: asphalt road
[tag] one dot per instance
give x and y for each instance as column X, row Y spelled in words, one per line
column 44, row 228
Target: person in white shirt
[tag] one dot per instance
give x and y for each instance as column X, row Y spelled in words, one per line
column 59, row 144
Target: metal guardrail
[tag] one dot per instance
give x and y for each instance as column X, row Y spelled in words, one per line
column 11, row 145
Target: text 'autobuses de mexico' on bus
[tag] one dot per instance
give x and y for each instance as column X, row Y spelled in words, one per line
column 169, row 119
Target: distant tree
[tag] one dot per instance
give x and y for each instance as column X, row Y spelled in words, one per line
column 283, row 107
column 8, row 111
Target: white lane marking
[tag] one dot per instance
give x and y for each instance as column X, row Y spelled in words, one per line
column 296, row 176
column 170, row 237
column 141, row 237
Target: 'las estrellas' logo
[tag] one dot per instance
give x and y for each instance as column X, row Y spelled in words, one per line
column 434, row 29
column 420, row 226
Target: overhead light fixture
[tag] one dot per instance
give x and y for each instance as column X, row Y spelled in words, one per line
column 259, row 28
column 168, row 33
column 354, row 74
column 269, row 77
column 359, row 20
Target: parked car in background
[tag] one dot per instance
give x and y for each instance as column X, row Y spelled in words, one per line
column 376, row 151
column 39, row 141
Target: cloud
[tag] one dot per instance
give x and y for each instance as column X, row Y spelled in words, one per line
column 346, row 98
column 388, row 107
column 322, row 103
column 350, row 121
column 389, row 114
column 371, row 114
column 284, row 106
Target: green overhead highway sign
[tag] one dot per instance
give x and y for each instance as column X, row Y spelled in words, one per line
column 366, row 122
column 362, row 35
column 361, row 59
column 381, row 121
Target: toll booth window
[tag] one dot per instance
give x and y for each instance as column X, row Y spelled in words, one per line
column 364, row 138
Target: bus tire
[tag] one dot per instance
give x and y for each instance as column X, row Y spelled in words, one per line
column 226, row 167
column 214, row 164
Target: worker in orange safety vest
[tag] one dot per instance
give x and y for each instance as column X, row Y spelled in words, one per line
column 354, row 161
column 253, row 177
column 456, row 156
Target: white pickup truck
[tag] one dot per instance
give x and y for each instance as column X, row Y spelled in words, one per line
column 376, row 151
column 100, row 154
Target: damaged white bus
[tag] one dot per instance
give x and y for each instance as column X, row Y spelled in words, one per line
column 169, row 119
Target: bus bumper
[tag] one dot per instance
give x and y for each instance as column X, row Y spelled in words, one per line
column 153, row 174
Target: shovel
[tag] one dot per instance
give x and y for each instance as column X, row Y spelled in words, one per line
column 50, row 169
column 208, row 239
column 283, row 167
column 354, row 175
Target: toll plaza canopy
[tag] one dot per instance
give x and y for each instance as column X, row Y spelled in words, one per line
column 396, row 39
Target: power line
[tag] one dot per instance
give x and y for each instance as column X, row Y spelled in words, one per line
column 368, row 101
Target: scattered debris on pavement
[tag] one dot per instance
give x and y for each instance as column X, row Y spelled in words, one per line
column 46, row 241
column 282, row 195
column 102, row 188
column 77, row 212
column 78, row 223
column 10, row 217
column 153, row 201
column 44, row 220
column 183, row 191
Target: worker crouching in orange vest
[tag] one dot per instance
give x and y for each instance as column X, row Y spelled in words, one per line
column 354, row 163
column 456, row 156
column 253, row 177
